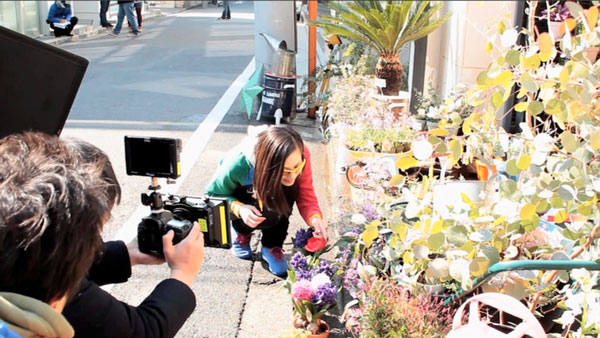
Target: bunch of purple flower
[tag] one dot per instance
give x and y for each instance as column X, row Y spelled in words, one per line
column 309, row 283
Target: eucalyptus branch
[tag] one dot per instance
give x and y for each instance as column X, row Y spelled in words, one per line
column 575, row 254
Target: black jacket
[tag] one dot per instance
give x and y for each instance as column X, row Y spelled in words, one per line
column 93, row 312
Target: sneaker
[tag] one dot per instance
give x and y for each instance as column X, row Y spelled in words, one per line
column 134, row 34
column 112, row 33
column 276, row 260
column 241, row 245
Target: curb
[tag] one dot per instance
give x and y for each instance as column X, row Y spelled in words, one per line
column 87, row 32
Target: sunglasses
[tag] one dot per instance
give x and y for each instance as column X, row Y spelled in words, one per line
column 296, row 170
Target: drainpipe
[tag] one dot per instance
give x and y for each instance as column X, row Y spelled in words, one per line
column 312, row 53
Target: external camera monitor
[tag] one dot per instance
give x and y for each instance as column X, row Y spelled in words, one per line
column 38, row 84
column 153, row 156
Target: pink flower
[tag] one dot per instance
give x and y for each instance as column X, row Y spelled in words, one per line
column 315, row 244
column 302, row 289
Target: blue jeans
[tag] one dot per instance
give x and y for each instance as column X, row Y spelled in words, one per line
column 126, row 9
column 104, row 4
column 226, row 11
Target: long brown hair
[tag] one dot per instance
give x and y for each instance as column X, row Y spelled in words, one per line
column 272, row 149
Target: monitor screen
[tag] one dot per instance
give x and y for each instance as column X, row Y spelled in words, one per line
column 38, row 84
column 152, row 156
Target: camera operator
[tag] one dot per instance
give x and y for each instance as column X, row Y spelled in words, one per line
column 48, row 198
column 95, row 313
column 55, row 197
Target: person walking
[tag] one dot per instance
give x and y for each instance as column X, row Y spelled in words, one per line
column 126, row 8
column 263, row 177
column 137, row 4
column 226, row 15
column 61, row 19
column 104, row 5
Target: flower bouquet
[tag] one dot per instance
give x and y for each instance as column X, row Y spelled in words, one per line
column 309, row 282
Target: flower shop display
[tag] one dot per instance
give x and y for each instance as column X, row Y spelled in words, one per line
column 540, row 202
column 385, row 27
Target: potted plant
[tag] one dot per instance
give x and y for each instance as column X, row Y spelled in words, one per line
column 557, row 16
column 386, row 27
column 310, row 283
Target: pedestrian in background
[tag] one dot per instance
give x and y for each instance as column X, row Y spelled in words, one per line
column 263, row 177
column 61, row 19
column 137, row 4
column 226, row 15
column 104, row 5
column 126, row 8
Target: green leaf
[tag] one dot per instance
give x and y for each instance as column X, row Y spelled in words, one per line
column 535, row 108
column 457, row 150
column 508, row 187
column 569, row 141
column 457, row 235
column 527, row 82
column 492, row 254
column 513, row 57
column 436, row 241
column 512, row 169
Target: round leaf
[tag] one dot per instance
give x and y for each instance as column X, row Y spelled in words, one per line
column 545, row 43
column 492, row 254
column 591, row 15
column 535, row 108
column 509, row 37
column 561, row 216
column 512, row 169
column 439, row 268
column 521, row 106
column 524, row 162
column 512, row 57
column 479, row 266
column 569, row 141
column 436, row 241
column 422, row 150
column 397, row 180
column 527, row 211
column 457, row 235
column 407, row 162
column 421, row 251
column 595, row 140
column 544, row 142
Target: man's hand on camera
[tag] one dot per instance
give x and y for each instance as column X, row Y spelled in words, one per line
column 185, row 259
column 138, row 257
column 251, row 216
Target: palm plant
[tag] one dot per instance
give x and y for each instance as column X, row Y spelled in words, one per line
column 385, row 26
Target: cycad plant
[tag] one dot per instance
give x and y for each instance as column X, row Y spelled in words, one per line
column 385, row 26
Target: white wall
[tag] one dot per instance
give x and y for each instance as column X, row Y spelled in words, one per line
column 456, row 51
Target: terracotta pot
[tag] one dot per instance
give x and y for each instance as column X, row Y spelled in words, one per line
column 324, row 328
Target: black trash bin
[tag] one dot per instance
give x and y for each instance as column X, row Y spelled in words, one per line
column 278, row 94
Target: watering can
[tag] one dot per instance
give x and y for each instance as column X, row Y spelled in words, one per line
column 284, row 60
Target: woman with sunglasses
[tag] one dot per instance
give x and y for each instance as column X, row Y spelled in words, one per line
column 263, row 177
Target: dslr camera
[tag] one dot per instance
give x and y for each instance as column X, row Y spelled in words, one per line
column 159, row 157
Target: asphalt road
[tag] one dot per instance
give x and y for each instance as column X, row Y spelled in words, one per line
column 165, row 83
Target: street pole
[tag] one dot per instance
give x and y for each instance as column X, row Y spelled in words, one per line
column 312, row 54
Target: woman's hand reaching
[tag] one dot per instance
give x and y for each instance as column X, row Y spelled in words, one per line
column 251, row 216
column 320, row 226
